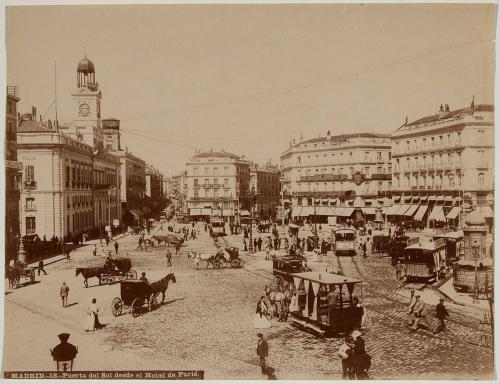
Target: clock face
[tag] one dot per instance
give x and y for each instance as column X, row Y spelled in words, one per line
column 84, row 109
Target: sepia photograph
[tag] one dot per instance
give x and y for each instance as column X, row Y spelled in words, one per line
column 249, row 191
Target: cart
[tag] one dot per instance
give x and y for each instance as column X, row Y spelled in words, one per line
column 135, row 294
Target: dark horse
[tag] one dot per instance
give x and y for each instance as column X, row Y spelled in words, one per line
column 13, row 275
column 162, row 285
column 90, row 272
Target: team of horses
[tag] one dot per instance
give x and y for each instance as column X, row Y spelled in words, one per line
column 279, row 293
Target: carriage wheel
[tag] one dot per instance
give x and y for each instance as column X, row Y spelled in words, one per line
column 117, row 306
column 152, row 302
column 216, row 264
column 136, row 307
column 32, row 276
column 235, row 263
column 132, row 274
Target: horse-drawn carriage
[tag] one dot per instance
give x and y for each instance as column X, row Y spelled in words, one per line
column 218, row 259
column 312, row 311
column 168, row 239
column 116, row 269
column 138, row 294
column 284, row 267
column 19, row 271
column 381, row 244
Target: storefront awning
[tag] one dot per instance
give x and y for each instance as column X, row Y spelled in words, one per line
column 207, row 211
column 452, row 215
column 244, row 212
column 457, row 200
column 307, row 211
column 296, row 211
column 368, row 210
column 437, row 214
column 396, row 198
column 385, row 210
column 324, row 211
column 401, row 211
column 346, row 212
column 228, row 212
column 420, row 213
column 286, row 201
column 416, row 199
column 407, row 199
column 432, row 198
column 368, row 201
column 195, row 212
column 448, row 199
column 440, row 198
column 393, row 209
column 423, row 198
column 411, row 211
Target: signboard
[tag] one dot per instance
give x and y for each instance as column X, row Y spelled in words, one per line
column 332, row 220
column 116, row 222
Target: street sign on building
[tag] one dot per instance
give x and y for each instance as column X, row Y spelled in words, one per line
column 116, row 222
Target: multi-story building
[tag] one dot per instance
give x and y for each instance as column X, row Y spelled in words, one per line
column 167, row 187
column 265, row 183
column 445, row 160
column 322, row 176
column 217, row 184
column 71, row 184
column 154, row 188
column 176, row 190
column 13, row 173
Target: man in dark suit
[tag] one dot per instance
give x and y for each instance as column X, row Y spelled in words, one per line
column 262, row 350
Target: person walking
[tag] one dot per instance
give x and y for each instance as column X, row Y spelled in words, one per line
column 417, row 311
column 63, row 292
column 68, row 252
column 94, row 251
column 245, row 248
column 361, row 360
column 92, row 321
column 262, row 351
column 267, row 252
column 116, row 247
column 259, row 244
column 399, row 268
column 40, row 267
column 107, row 240
column 441, row 315
column 169, row 259
column 363, row 246
column 346, row 352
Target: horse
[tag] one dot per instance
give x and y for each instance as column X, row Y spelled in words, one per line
column 161, row 286
column 13, row 275
column 87, row 273
column 280, row 301
column 207, row 257
column 160, row 239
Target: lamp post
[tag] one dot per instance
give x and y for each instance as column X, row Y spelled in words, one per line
column 100, row 231
column 253, row 197
column 476, row 282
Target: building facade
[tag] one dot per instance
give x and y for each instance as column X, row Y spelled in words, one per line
column 217, row 185
column 13, row 174
column 446, row 159
column 333, row 171
column 154, row 188
column 265, row 182
column 71, row 184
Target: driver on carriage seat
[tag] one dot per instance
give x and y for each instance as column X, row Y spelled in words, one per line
column 144, row 278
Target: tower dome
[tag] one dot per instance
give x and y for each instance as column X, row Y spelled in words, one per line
column 85, row 74
column 86, row 66
column 475, row 218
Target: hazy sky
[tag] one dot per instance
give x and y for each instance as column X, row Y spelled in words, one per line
column 249, row 78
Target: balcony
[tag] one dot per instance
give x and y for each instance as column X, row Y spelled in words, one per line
column 381, row 176
column 30, row 184
column 30, row 208
column 324, row 177
column 14, row 165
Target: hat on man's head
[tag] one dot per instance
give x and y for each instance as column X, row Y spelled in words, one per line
column 441, row 300
column 355, row 334
column 412, row 291
column 260, row 334
column 63, row 337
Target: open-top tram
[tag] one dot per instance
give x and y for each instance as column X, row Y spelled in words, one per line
column 313, row 310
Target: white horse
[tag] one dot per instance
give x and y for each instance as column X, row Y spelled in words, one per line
column 197, row 257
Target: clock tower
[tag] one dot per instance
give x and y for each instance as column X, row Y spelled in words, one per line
column 86, row 125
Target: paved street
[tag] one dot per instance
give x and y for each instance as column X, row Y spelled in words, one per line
column 206, row 323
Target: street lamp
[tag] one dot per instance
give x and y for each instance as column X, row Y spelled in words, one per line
column 100, row 231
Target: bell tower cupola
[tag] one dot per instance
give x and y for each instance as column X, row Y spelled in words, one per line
column 86, row 74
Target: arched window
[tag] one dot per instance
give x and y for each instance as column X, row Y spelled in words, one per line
column 480, row 179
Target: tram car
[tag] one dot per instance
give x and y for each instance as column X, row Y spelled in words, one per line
column 464, row 277
column 454, row 245
column 284, row 267
column 217, row 227
column 424, row 260
column 345, row 241
column 312, row 311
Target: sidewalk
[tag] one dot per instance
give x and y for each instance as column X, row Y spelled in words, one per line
column 465, row 299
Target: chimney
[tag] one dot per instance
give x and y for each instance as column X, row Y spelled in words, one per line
column 33, row 113
column 328, row 136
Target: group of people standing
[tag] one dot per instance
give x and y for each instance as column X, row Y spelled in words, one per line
column 355, row 360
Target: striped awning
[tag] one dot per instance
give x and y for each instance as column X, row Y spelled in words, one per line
column 452, row 215
column 432, row 198
column 411, row 211
column 307, row 211
column 368, row 210
column 346, row 212
column 420, row 213
column 296, row 211
column 195, row 211
column 437, row 214
column 333, row 201
column 440, row 198
column 401, row 211
column 386, row 210
column 324, row 211
column 393, row 209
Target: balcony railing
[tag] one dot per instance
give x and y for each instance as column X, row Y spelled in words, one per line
column 381, row 176
column 30, row 207
column 428, row 148
column 14, row 165
column 30, row 184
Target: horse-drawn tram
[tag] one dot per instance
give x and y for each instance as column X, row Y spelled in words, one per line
column 345, row 241
column 284, row 267
column 217, row 227
column 114, row 269
column 424, row 260
column 318, row 312
column 18, row 271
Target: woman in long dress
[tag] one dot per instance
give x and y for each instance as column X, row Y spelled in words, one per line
column 260, row 319
column 92, row 319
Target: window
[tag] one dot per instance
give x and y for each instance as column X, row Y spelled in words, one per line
column 367, row 154
column 195, row 181
column 480, row 179
column 216, row 192
column 226, row 183
column 216, row 171
column 367, row 171
column 206, row 170
column 379, row 169
column 30, row 225
column 67, row 176
column 195, row 171
column 206, row 181
column 29, row 172
column 379, row 156
column 30, row 203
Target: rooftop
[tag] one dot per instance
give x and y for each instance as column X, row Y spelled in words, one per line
column 212, row 153
column 326, row 278
column 453, row 114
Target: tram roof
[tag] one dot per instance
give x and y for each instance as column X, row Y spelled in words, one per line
column 326, row 278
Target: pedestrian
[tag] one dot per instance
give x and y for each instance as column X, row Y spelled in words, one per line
column 262, row 351
column 144, row 278
column 169, row 259
column 68, row 252
column 177, row 248
column 40, row 267
column 63, row 292
column 346, row 353
column 245, row 248
column 116, row 247
column 267, row 252
column 92, row 321
column 94, row 251
column 361, row 360
column 107, row 240
column 364, row 249
column 332, row 299
column 140, row 243
column 259, row 243
column 417, row 311
column 399, row 268
column 441, row 315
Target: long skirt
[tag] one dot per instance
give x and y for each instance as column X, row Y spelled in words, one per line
column 89, row 323
column 261, row 322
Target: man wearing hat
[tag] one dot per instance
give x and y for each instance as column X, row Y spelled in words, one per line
column 441, row 314
column 262, row 350
column 64, row 351
column 417, row 311
column 413, row 300
column 345, row 352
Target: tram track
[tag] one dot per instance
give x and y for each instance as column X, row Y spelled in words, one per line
column 376, row 290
